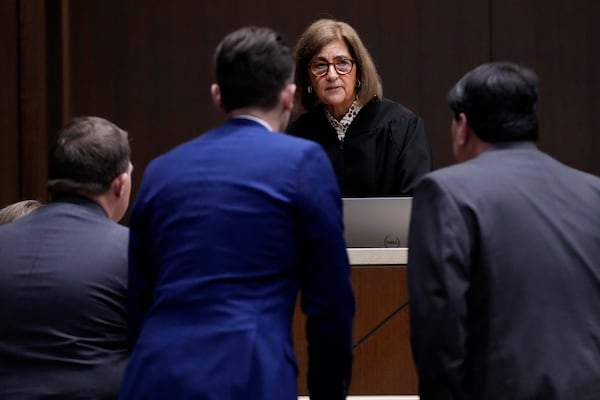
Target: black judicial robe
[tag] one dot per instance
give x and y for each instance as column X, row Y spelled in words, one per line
column 384, row 153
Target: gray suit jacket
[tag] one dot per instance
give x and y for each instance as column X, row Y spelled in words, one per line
column 504, row 279
column 63, row 275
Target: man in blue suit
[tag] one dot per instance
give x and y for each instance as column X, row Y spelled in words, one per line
column 63, row 274
column 504, row 260
column 225, row 232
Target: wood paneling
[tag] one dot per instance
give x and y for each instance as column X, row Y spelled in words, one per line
column 32, row 100
column 57, row 65
column 382, row 357
column 9, row 111
column 452, row 38
column 561, row 44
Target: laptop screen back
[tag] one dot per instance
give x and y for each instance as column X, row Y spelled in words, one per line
column 376, row 221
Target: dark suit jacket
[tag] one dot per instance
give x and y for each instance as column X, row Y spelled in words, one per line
column 504, row 279
column 225, row 232
column 62, row 302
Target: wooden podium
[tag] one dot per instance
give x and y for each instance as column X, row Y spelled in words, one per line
column 383, row 362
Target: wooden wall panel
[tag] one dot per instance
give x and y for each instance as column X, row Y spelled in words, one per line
column 57, row 65
column 561, row 44
column 9, row 111
column 32, row 100
column 452, row 39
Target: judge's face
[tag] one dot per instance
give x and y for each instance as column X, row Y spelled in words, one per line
column 335, row 90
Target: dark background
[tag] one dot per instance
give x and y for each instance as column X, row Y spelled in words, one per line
column 146, row 65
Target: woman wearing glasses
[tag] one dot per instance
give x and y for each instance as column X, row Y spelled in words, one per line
column 377, row 146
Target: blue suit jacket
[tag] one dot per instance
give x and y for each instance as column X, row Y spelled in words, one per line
column 63, row 276
column 226, row 230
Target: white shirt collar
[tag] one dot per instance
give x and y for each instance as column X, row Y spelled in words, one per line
column 255, row 119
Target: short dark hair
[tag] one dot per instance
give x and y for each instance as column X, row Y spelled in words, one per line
column 89, row 153
column 319, row 34
column 500, row 101
column 252, row 65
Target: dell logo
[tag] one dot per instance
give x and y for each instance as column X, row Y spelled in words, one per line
column 391, row 241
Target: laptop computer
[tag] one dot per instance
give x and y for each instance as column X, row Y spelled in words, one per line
column 376, row 221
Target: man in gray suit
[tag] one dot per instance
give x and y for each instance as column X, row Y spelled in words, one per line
column 63, row 274
column 504, row 259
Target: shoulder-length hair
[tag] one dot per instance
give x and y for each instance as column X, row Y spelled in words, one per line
column 314, row 38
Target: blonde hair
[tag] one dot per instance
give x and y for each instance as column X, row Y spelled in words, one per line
column 321, row 33
column 17, row 210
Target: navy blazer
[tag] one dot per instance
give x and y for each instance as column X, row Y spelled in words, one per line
column 225, row 231
column 63, row 276
column 504, row 279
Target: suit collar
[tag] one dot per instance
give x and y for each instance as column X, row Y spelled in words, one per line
column 80, row 201
column 515, row 145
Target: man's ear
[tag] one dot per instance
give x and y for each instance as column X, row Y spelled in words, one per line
column 287, row 96
column 215, row 92
column 118, row 185
column 463, row 130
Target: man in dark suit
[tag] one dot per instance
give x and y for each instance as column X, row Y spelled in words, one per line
column 226, row 229
column 63, row 272
column 504, row 260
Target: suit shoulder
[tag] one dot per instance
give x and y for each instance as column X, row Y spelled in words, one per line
column 295, row 145
column 454, row 177
column 119, row 230
column 109, row 230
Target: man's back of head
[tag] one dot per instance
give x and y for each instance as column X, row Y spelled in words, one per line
column 252, row 65
column 499, row 100
column 91, row 158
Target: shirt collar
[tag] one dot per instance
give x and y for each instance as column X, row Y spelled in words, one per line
column 255, row 119
column 342, row 125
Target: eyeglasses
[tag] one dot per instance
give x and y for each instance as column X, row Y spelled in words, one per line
column 342, row 66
